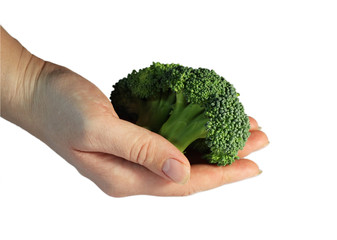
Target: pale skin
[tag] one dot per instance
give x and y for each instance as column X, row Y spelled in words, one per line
column 75, row 119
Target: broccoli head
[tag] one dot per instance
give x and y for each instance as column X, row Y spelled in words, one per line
column 193, row 108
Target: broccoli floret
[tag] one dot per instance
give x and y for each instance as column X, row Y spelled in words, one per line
column 190, row 107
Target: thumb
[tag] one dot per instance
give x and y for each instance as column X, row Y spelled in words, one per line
column 141, row 146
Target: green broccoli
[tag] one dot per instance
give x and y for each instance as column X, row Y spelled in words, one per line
column 194, row 108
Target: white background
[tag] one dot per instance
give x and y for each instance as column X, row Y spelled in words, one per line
column 280, row 55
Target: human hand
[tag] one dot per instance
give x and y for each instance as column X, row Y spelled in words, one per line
column 77, row 121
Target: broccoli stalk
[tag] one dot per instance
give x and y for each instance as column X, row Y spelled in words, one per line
column 186, row 123
column 189, row 107
column 154, row 112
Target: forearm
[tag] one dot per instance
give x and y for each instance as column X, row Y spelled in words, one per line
column 19, row 73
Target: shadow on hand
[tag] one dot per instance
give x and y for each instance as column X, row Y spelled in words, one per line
column 195, row 157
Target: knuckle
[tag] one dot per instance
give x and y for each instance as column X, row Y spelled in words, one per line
column 187, row 191
column 114, row 186
column 142, row 151
column 224, row 178
column 115, row 193
column 190, row 191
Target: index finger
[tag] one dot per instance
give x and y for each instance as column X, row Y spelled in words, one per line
column 206, row 177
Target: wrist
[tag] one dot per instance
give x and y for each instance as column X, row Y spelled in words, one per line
column 20, row 71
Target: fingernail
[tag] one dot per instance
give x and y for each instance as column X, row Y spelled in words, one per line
column 176, row 171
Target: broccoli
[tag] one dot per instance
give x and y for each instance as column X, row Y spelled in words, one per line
column 193, row 108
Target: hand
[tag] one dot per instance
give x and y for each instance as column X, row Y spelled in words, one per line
column 76, row 119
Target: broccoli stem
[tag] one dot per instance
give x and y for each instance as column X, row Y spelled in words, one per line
column 153, row 113
column 185, row 124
